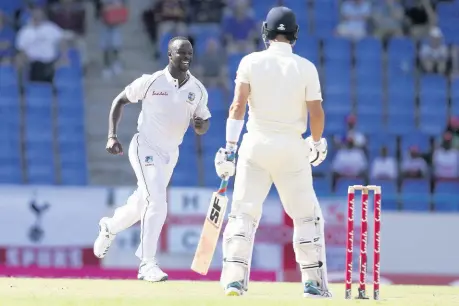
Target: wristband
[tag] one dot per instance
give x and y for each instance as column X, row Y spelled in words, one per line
column 112, row 136
column 233, row 129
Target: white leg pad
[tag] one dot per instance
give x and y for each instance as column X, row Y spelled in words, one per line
column 238, row 239
column 308, row 244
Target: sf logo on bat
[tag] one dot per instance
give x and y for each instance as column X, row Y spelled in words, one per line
column 215, row 212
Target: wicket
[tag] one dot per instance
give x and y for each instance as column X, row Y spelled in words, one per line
column 363, row 241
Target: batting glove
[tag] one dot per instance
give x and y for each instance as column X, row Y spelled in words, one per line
column 318, row 151
column 225, row 161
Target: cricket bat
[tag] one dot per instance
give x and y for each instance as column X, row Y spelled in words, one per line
column 211, row 230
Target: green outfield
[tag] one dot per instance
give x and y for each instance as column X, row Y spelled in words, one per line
column 44, row 292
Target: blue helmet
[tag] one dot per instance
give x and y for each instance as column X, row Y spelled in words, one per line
column 280, row 20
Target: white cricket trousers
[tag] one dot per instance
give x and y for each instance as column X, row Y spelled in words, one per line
column 281, row 159
column 148, row 202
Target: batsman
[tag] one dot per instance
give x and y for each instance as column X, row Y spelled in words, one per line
column 281, row 88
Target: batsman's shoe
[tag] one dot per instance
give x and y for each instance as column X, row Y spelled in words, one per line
column 312, row 290
column 150, row 272
column 234, row 289
column 104, row 240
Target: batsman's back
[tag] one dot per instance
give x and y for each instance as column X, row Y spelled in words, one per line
column 279, row 84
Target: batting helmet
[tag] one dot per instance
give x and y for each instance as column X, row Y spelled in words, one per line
column 280, row 20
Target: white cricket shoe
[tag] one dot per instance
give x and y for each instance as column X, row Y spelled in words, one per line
column 150, row 272
column 104, row 240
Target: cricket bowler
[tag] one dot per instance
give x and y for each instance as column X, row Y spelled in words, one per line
column 171, row 99
column 281, row 88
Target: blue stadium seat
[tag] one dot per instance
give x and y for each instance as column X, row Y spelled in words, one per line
column 388, row 187
column 370, row 123
column 10, row 7
column 34, row 89
column 401, row 106
column 401, row 54
column 261, row 8
column 188, row 145
column 418, row 139
column 10, row 174
column 389, row 202
column 417, row 203
column 8, row 77
column 416, row 186
column 446, row 187
column 74, row 175
column 337, row 49
column 401, row 86
column 445, row 203
column 377, row 141
column 210, row 177
column 342, row 185
column 308, row 47
column 431, row 106
column 34, row 131
column 322, row 186
column 72, row 153
column 433, row 83
column 455, row 88
column 369, row 102
column 335, row 122
column 432, row 124
column 401, row 124
column 186, row 171
column 233, row 64
column 369, row 49
column 217, row 99
column 40, row 163
column 68, row 77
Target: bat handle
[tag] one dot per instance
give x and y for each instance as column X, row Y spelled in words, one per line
column 224, row 182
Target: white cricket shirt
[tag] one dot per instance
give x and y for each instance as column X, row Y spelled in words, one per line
column 280, row 84
column 166, row 108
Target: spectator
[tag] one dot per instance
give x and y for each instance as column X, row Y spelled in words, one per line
column 355, row 15
column 413, row 165
column 211, row 66
column 453, row 128
column 40, row 43
column 112, row 14
column 384, row 166
column 420, row 16
column 455, row 61
column 388, row 17
column 446, row 159
column 70, row 15
column 171, row 16
column 239, row 27
column 352, row 132
column 7, row 36
column 207, row 11
column 434, row 53
column 349, row 161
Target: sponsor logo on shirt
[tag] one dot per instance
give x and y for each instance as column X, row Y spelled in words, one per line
column 191, row 97
column 149, row 161
column 160, row 93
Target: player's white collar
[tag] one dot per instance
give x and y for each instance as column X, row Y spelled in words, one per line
column 280, row 46
column 173, row 80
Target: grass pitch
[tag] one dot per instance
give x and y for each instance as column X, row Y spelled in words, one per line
column 53, row 292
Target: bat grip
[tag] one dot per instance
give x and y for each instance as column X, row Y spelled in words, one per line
column 224, row 182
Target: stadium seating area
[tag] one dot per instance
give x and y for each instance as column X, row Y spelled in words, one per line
column 395, row 105
column 42, row 125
